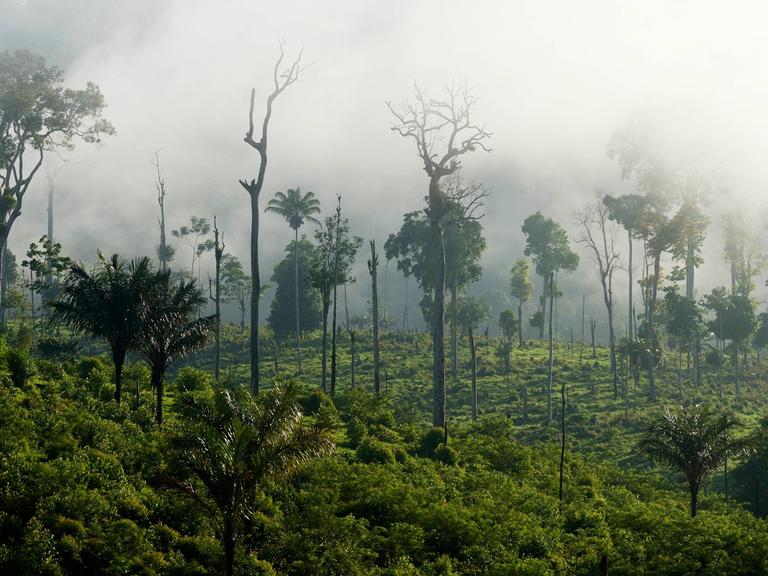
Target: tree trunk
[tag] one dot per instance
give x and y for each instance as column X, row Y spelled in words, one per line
column 255, row 289
column 229, row 547
column 373, row 266
column 693, row 486
column 690, row 268
column 562, row 441
column 520, row 324
column 612, row 347
column 326, row 307
column 544, row 295
column 652, row 328
column 335, row 298
column 3, row 287
column 158, row 375
column 524, row 394
column 736, row 375
column 583, row 320
column 473, row 356
column 454, row 344
column 296, row 285
column 550, row 359
column 438, row 327
column 629, row 271
column 118, row 358
column 353, row 354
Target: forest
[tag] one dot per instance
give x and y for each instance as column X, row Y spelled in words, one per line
column 457, row 371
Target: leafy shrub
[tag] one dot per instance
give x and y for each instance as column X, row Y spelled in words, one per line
column 371, row 451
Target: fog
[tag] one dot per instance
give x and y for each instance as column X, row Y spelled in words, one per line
column 555, row 80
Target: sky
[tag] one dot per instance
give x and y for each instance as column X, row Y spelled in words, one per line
column 555, row 80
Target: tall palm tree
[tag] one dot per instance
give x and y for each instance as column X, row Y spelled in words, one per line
column 694, row 440
column 170, row 328
column 295, row 208
column 105, row 303
column 232, row 442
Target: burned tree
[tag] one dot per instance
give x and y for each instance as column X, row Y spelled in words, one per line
column 443, row 132
column 282, row 79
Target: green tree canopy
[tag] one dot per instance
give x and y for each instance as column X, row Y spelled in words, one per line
column 282, row 317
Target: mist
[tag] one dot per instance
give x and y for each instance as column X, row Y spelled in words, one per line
column 555, row 81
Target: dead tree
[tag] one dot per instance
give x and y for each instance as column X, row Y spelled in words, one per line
column 215, row 294
column 443, row 131
column 373, row 266
column 282, row 79
column 165, row 252
column 336, row 266
column 598, row 236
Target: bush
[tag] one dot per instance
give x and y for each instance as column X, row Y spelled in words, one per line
column 431, row 439
column 21, row 367
column 446, row 454
column 372, row 451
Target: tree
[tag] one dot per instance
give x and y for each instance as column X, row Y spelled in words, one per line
column 170, row 327
column 508, row 324
column 295, row 208
column 599, row 238
column 743, row 252
column 235, row 284
column 282, row 310
column 195, row 236
column 683, row 318
column 470, row 314
column 431, row 123
column 734, row 320
column 165, row 252
column 106, row 303
column 38, row 116
column 325, row 274
column 45, row 264
column 547, row 242
column 231, row 443
column 628, row 211
column 694, row 440
column 215, row 294
column 282, row 79
column 522, row 289
column 373, row 266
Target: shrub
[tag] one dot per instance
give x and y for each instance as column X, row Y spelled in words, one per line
column 375, row 451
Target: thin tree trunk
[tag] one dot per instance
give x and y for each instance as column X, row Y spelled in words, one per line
column 335, row 299
column 583, row 319
column 119, row 360
column 454, row 343
column 562, row 442
column 544, row 296
column 631, row 304
column 3, row 286
column 326, row 308
column 296, row 285
column 373, row 265
column 520, row 324
column 255, row 289
column 473, row 354
column 736, row 368
column 694, row 489
column 438, row 328
column 550, row 360
column 158, row 375
column 652, row 328
column 353, row 353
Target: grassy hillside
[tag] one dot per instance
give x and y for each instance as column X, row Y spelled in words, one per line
column 81, row 487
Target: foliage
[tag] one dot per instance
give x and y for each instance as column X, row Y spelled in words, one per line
column 282, row 317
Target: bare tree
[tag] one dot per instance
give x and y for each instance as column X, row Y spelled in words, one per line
column 373, row 267
column 165, row 252
column 598, row 235
column 443, row 131
column 215, row 294
column 283, row 78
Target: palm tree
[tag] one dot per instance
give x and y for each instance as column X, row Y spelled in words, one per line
column 232, row 442
column 694, row 440
column 295, row 208
column 170, row 327
column 105, row 303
